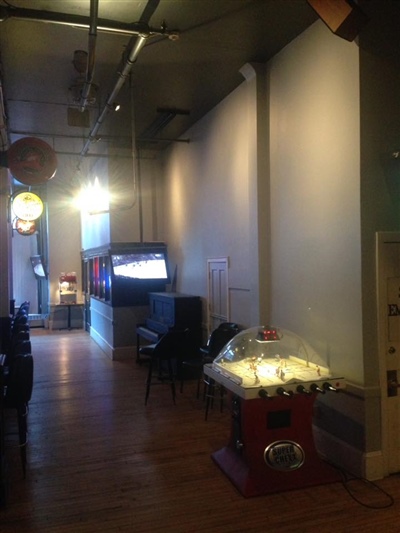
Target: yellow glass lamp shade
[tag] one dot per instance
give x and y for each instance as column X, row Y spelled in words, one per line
column 27, row 206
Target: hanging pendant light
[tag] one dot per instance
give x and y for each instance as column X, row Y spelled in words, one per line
column 27, row 206
column 25, row 227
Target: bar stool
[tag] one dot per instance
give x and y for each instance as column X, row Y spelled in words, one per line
column 218, row 338
column 18, row 384
column 163, row 357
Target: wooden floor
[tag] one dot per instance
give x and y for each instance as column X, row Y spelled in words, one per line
column 99, row 460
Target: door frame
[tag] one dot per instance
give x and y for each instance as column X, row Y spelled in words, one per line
column 382, row 239
column 225, row 261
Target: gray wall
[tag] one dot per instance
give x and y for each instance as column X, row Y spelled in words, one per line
column 315, row 198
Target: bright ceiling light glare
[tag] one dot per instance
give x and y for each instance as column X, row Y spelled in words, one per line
column 93, row 199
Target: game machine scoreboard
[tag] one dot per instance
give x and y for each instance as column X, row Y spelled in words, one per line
column 273, row 376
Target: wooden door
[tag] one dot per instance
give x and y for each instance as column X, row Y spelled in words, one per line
column 218, row 293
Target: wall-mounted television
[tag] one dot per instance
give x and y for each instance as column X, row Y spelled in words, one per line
column 144, row 265
column 38, row 267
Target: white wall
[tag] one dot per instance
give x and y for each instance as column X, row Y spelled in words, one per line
column 206, row 201
column 315, row 204
column 127, row 180
column 95, row 228
column 315, row 196
column 64, row 229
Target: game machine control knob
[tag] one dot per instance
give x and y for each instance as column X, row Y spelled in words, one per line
column 314, row 388
column 264, row 394
column 302, row 390
column 328, row 387
column 239, row 445
column 282, row 392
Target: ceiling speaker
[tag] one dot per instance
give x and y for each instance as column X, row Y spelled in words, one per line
column 343, row 17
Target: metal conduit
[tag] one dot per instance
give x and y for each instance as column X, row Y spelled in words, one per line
column 94, row 10
column 134, row 47
column 139, row 31
column 79, row 21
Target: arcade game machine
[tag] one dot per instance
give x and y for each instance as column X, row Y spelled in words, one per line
column 273, row 377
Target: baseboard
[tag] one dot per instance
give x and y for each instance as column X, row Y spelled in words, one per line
column 114, row 353
column 346, row 457
column 107, row 349
column 374, row 466
column 124, row 352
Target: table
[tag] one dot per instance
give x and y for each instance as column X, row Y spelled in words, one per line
column 66, row 316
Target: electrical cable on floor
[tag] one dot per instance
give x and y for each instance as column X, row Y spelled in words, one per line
column 347, row 478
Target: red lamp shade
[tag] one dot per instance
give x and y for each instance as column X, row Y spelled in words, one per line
column 31, row 161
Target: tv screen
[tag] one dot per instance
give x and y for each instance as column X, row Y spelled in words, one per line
column 140, row 266
column 38, row 267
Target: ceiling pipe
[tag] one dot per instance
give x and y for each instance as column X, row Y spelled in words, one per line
column 78, row 21
column 94, row 10
column 140, row 32
column 4, row 143
column 134, row 46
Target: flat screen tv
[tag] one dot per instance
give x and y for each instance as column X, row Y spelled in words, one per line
column 38, row 267
column 140, row 266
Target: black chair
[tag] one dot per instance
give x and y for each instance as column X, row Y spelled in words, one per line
column 165, row 357
column 24, row 307
column 18, row 343
column 217, row 340
column 20, row 323
column 230, row 325
column 18, row 391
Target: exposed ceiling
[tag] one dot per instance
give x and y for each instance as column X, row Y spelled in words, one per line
column 188, row 75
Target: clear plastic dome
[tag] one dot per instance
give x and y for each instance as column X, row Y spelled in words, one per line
column 264, row 355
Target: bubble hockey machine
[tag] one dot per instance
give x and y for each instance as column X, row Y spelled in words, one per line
column 274, row 377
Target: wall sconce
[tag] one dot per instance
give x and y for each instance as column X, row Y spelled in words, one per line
column 116, row 106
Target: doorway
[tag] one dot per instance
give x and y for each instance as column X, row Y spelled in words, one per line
column 388, row 298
